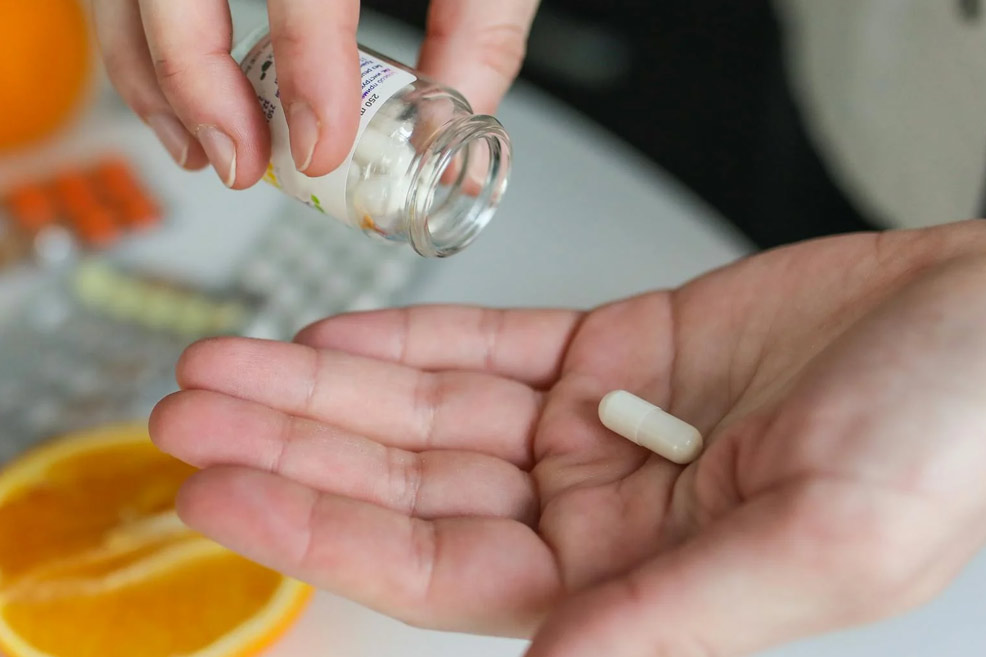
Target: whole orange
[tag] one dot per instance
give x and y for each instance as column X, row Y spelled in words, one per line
column 44, row 66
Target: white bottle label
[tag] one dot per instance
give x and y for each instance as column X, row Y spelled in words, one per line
column 326, row 193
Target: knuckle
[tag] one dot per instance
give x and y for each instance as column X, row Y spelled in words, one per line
column 427, row 396
column 503, row 48
column 289, row 41
column 181, row 72
column 423, row 556
column 491, row 324
column 405, row 472
column 169, row 69
column 159, row 420
column 313, row 383
column 279, row 455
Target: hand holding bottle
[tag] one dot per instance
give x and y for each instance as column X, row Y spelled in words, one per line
column 170, row 61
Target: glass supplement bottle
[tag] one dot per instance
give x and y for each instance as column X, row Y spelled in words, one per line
column 425, row 169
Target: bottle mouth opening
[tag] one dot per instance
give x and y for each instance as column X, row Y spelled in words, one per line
column 457, row 186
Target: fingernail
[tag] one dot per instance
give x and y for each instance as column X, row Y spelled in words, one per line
column 172, row 134
column 303, row 126
column 221, row 152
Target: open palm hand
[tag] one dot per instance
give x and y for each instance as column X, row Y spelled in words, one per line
column 445, row 465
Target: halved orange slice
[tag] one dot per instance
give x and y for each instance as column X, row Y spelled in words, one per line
column 95, row 563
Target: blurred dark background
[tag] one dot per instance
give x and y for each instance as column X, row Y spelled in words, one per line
column 699, row 86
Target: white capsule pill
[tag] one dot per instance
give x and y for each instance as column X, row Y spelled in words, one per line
column 354, row 176
column 382, row 198
column 383, row 152
column 650, row 427
column 373, row 197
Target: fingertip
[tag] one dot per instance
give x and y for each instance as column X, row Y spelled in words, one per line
column 194, row 503
column 318, row 70
column 374, row 334
column 226, row 130
column 269, row 372
column 310, row 335
column 321, row 141
column 239, row 162
column 257, row 514
column 196, row 159
column 322, row 332
column 253, row 155
column 305, row 131
column 200, row 357
column 216, row 499
column 477, row 47
column 172, row 135
column 184, row 425
column 185, row 362
column 159, row 420
column 307, row 334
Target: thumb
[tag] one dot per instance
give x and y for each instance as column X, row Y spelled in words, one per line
column 788, row 565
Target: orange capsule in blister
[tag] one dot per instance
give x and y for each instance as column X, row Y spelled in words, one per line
column 120, row 185
column 95, row 225
column 140, row 212
column 87, row 215
column 75, row 193
column 31, row 207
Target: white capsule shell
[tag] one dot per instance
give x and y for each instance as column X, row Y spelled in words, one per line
column 381, row 197
column 383, row 153
column 650, row 427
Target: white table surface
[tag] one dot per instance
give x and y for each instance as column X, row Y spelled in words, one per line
column 586, row 220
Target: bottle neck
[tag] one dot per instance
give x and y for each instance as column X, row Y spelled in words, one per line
column 458, row 181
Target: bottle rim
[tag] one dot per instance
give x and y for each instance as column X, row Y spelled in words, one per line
column 436, row 230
